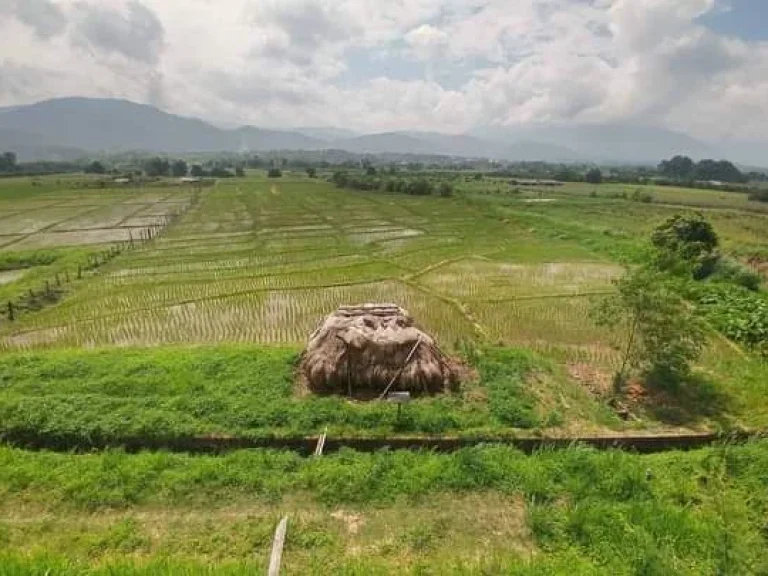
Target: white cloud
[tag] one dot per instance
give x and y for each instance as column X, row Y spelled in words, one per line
column 280, row 62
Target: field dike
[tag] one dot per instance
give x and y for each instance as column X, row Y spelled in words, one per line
column 642, row 444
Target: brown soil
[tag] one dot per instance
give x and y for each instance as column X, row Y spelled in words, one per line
column 597, row 382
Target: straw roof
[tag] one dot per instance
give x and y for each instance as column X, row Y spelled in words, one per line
column 374, row 348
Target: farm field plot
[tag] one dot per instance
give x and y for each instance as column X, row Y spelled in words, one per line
column 262, row 262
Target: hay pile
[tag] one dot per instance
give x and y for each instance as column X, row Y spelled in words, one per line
column 364, row 349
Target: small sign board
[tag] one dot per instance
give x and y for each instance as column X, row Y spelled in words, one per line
column 399, row 397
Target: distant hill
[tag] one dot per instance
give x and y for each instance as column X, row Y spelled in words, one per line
column 96, row 125
column 68, row 128
column 606, row 142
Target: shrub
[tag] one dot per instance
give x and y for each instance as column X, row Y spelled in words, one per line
column 445, row 190
column 275, row 173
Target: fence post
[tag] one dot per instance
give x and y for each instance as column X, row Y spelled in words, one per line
column 10, row 311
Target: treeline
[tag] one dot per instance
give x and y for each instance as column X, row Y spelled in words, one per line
column 413, row 187
column 683, row 169
column 159, row 167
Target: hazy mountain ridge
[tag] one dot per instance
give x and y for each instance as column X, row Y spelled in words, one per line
column 68, row 127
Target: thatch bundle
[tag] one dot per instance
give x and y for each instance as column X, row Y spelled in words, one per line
column 373, row 348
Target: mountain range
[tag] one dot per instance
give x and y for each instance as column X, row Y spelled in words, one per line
column 69, row 128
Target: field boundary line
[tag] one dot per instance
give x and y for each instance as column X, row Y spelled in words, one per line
column 542, row 297
column 462, row 308
column 306, row 445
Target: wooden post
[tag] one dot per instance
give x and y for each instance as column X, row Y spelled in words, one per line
column 58, row 280
column 47, row 287
column 79, row 272
column 277, row 548
column 321, row 443
column 10, row 311
column 67, row 276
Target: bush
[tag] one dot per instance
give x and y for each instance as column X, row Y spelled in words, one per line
column 759, row 195
column 640, row 196
column 445, row 190
column 729, row 271
column 275, row 173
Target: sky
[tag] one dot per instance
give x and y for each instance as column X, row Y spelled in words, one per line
column 695, row 66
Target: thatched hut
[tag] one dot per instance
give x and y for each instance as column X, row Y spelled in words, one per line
column 372, row 349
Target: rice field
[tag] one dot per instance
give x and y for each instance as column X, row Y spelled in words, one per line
column 262, row 262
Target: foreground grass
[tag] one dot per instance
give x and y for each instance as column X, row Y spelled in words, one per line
column 482, row 510
column 92, row 397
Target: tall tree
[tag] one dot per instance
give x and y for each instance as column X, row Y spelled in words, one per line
column 687, row 243
column 661, row 336
column 157, row 167
column 594, row 176
column 8, row 162
column 678, row 168
column 95, row 167
column 179, row 168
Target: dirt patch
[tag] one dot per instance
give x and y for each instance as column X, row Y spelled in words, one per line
column 596, row 381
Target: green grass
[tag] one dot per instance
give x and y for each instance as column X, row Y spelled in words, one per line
column 91, row 397
column 483, row 509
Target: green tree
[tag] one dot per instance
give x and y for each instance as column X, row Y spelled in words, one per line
column 445, row 189
column 275, row 173
column 8, row 162
column 240, row 172
column 312, row 172
column 687, row 243
column 197, row 171
column 157, row 167
column 179, row 168
column 661, row 337
column 722, row 171
column 95, row 167
column 594, row 176
column 678, row 168
column 341, row 179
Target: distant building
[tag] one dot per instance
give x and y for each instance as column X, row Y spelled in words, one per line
column 122, row 181
column 189, row 180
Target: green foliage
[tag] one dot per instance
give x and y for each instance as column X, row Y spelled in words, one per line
column 640, row 196
column 312, row 172
column 275, row 173
column 680, row 167
column 21, row 260
column 594, row 176
column 504, row 372
column 684, row 169
column 760, row 195
column 661, row 335
column 732, row 272
column 698, row 512
column 179, row 168
column 445, row 190
column 738, row 313
column 157, row 167
column 96, row 397
column 687, row 242
column 95, row 167
column 8, row 162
